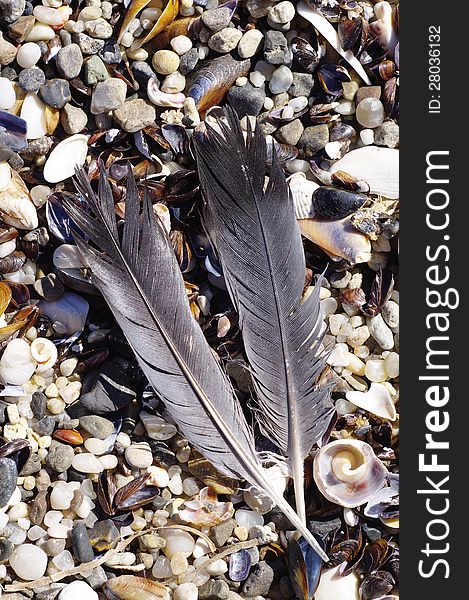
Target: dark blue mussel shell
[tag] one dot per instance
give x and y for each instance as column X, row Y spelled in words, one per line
column 12, row 131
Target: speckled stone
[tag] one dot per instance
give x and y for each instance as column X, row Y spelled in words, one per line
column 96, row 426
column 30, row 80
column 69, row 61
column 8, row 476
column 134, row 115
column 56, row 93
column 313, row 139
column 59, row 457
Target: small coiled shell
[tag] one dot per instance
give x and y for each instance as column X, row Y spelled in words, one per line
column 130, row 587
column 44, row 352
column 348, row 473
column 333, row 203
column 213, row 80
column 337, row 238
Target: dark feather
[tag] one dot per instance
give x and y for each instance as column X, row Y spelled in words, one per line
column 257, row 238
column 140, row 279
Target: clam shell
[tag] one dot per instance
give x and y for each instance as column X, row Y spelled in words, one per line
column 338, row 238
column 378, row 166
column 65, row 157
column 130, row 587
column 348, row 473
column 377, row 400
column 334, row 204
column 333, row 585
column 33, row 111
column 301, row 190
column 16, row 206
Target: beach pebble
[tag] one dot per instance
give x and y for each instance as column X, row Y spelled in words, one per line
column 189, row 61
column 225, row 40
column 290, row 133
column 370, row 113
column 173, row 83
column 162, row 568
column 28, row 55
column 276, row 49
column 8, row 476
column 139, row 455
column 28, row 561
column 367, row 137
column 69, row 61
column 82, row 548
column 108, row 95
column 251, row 43
column 30, row 80
column 186, row 591
column 165, row 62
column 216, row 19
column 73, row 120
column 181, row 44
column 283, row 12
column 7, row 51
column 248, row 518
column 302, row 85
column 87, row 463
column 246, row 100
column 214, row 589
column 94, row 70
column 375, row 370
column 134, row 115
column 56, row 93
column 88, row 45
column 61, row 497
column 391, row 364
column 99, row 29
column 387, row 134
column 314, row 139
column 96, row 426
column 177, row 540
column 78, row 590
column 281, row 80
column 380, row 332
column 7, row 93
column 259, row 581
column 368, row 91
column 59, row 457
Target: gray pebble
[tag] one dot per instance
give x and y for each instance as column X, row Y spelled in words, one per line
column 73, row 119
column 246, row 99
column 302, row 85
column 188, row 61
column 276, row 50
column 11, row 10
column 110, row 53
column 313, row 139
column 69, row 61
column 56, row 93
column 45, row 426
column 108, row 95
column 216, row 19
column 59, row 457
column 98, row 576
column 81, row 543
column 49, row 287
column 32, row 465
column 38, row 405
column 134, row 115
column 8, row 477
column 87, row 44
column 282, row 79
column 259, row 8
column 387, row 134
column 290, row 133
column 94, row 71
column 6, row 549
column 380, row 332
column 65, row 37
column 97, row 426
column 143, row 72
column 30, row 80
column 259, row 581
column 214, row 589
column 221, row 532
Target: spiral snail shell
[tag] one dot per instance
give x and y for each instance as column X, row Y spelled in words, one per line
column 348, row 473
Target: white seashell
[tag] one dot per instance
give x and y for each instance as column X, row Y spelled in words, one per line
column 378, row 166
column 330, row 34
column 63, row 159
column 16, row 206
column 17, row 364
column 68, row 256
column 28, row 55
column 383, row 27
column 377, row 400
column 7, row 93
column 347, row 472
column 301, row 190
column 70, row 311
column 44, row 352
column 26, row 275
column 33, row 111
column 159, row 98
column 164, row 216
column 334, row 585
column 5, row 175
column 7, row 248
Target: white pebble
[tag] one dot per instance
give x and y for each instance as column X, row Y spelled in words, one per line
column 68, row 366
column 28, row 561
column 248, row 518
column 181, row 44
column 217, row 567
column 256, row 78
column 109, row 461
column 375, row 370
column 177, row 540
column 61, row 497
column 367, row 136
column 87, row 463
column 28, row 55
column 298, row 103
column 186, row 591
column 78, row 590
column 7, row 93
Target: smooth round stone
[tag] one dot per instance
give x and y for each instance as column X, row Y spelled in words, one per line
column 165, row 62
column 47, row 15
column 370, row 113
column 29, row 562
column 177, row 540
column 179, row 563
column 375, row 370
column 186, row 591
column 40, row 33
column 97, row 426
column 248, row 518
column 61, row 497
column 58, row 531
column 36, row 533
column 109, row 461
column 367, row 137
column 96, row 446
column 181, row 44
column 63, row 560
column 173, row 83
column 8, row 476
column 218, row 567
column 162, row 568
column 28, row 55
column 281, row 80
column 250, row 43
column 30, row 80
column 225, row 40
column 7, row 93
column 87, row 463
column 139, row 455
column 78, row 590
column 52, row 517
column 281, row 13
column 391, row 364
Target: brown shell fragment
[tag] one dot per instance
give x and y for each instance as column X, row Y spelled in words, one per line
column 69, row 436
column 130, row 587
column 212, row 81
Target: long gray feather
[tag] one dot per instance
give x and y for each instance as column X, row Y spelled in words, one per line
column 258, row 241
column 140, row 279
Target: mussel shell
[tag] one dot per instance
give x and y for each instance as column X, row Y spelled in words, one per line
column 376, row 585
column 331, row 78
column 304, row 568
column 239, row 565
column 13, row 131
column 349, row 31
column 373, row 557
column 13, row 262
column 212, row 81
column 18, row 450
column 333, row 203
column 58, row 221
column 305, row 54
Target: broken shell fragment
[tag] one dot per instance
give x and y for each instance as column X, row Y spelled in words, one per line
column 301, row 191
column 383, row 27
column 17, row 365
column 348, row 473
column 33, row 111
column 44, row 352
column 159, row 98
column 130, row 587
column 16, row 206
column 333, row 203
column 337, row 238
column 377, row 400
column 68, row 154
